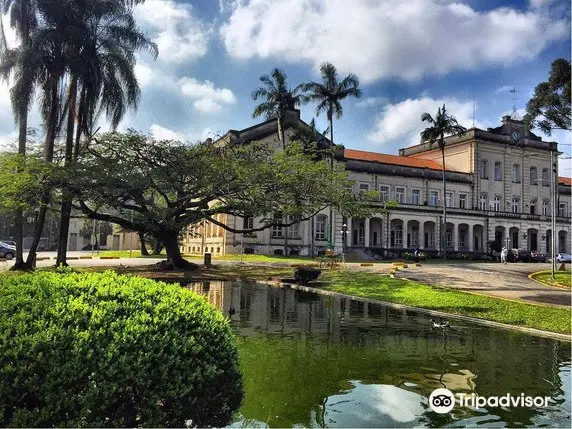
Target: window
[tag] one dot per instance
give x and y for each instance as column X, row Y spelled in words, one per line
column 293, row 231
column 498, row 170
column 433, row 198
column 463, row 201
column 448, row 238
column 483, row 201
column 562, row 210
column 363, row 187
column 431, row 238
column 449, row 199
column 400, row 194
column 384, row 192
column 277, row 228
column 415, row 236
column 533, row 176
column 545, row 211
column 361, row 232
column 415, row 193
column 321, row 221
column 533, row 206
column 516, row 173
column 399, row 235
column 515, row 205
column 496, row 203
column 545, row 180
column 462, row 239
column 247, row 222
column 484, row 169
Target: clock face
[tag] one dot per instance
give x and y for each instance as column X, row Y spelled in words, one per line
column 515, row 135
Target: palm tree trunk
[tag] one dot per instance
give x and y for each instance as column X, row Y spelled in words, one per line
column 332, row 168
column 19, row 215
column 48, row 157
column 65, row 215
column 444, row 228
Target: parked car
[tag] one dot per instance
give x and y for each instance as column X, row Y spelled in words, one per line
column 537, row 257
column 522, row 255
column 8, row 242
column 564, row 257
column 7, row 251
column 89, row 247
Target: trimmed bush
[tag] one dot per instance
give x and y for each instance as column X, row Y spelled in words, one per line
column 305, row 275
column 112, row 350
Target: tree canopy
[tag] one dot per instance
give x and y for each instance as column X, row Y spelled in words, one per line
column 161, row 187
column 549, row 108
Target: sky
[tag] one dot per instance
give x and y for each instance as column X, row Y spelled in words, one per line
column 410, row 56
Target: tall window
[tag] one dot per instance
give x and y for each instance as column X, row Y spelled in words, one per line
column 293, row 230
column 247, row 222
column 533, row 176
column 545, row 180
column 449, row 199
column 545, row 211
column 277, row 227
column 496, row 203
column 398, row 235
column 431, row 237
column 415, row 193
column 498, row 170
column 462, row 201
column 433, row 198
column 562, row 210
column 483, row 201
column 449, row 238
column 516, row 173
column 400, row 194
column 384, row 192
column 415, row 236
column 361, row 232
column 321, row 221
column 533, row 206
column 484, row 169
column 515, row 205
column 363, row 187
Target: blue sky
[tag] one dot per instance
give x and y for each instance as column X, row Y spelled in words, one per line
column 410, row 56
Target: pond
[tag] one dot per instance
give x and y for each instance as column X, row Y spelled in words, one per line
column 321, row 361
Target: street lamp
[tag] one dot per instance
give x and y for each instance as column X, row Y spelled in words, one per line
column 344, row 238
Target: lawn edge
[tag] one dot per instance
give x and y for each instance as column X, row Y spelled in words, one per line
column 531, row 276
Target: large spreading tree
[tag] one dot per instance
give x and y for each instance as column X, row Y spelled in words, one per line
column 161, row 187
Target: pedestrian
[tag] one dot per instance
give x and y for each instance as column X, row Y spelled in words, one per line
column 503, row 254
column 416, row 255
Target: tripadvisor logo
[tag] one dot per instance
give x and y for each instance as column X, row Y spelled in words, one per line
column 442, row 401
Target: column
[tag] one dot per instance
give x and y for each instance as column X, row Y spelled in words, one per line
column 366, row 224
column 349, row 234
column 455, row 237
column 470, row 238
column 421, row 235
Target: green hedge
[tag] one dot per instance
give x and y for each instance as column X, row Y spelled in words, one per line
column 112, row 350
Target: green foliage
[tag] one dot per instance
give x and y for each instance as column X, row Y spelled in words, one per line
column 110, row 350
column 551, row 100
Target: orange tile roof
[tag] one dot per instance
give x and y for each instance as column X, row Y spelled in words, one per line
column 565, row 181
column 391, row 159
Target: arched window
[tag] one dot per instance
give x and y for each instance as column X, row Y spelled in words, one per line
column 496, row 203
column 484, row 169
column 533, row 206
column 515, row 205
column 321, row 222
column 483, row 201
column 516, row 173
column 498, row 170
column 545, row 204
column 545, row 180
column 533, row 176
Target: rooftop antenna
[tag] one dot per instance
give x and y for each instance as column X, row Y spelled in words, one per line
column 514, row 98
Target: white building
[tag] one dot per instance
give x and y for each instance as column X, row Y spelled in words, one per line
column 498, row 190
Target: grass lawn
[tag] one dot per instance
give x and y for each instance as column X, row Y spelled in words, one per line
column 415, row 294
column 561, row 279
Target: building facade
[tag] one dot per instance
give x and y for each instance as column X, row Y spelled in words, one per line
column 498, row 191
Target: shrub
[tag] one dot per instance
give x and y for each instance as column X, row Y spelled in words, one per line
column 111, row 350
column 304, row 275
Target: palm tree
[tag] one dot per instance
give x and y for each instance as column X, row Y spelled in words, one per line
column 23, row 18
column 278, row 98
column 329, row 95
column 102, row 79
column 442, row 125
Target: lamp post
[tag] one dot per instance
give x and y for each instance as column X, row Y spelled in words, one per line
column 344, row 238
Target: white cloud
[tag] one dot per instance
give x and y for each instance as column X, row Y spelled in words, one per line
column 400, row 123
column 179, row 35
column 388, row 38
column 371, row 101
column 206, row 98
column 162, row 133
column 501, row 89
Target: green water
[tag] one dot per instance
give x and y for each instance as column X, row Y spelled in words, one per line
column 317, row 361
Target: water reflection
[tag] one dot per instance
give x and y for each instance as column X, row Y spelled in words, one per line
column 327, row 361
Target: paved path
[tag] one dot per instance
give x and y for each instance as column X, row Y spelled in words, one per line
column 495, row 279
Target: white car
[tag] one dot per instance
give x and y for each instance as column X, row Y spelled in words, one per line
column 564, row 257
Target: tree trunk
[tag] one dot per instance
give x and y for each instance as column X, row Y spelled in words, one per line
column 48, row 157
column 174, row 259
column 19, row 215
column 157, row 247
column 65, row 215
column 144, row 251
column 282, row 138
column 332, row 168
column 444, row 228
